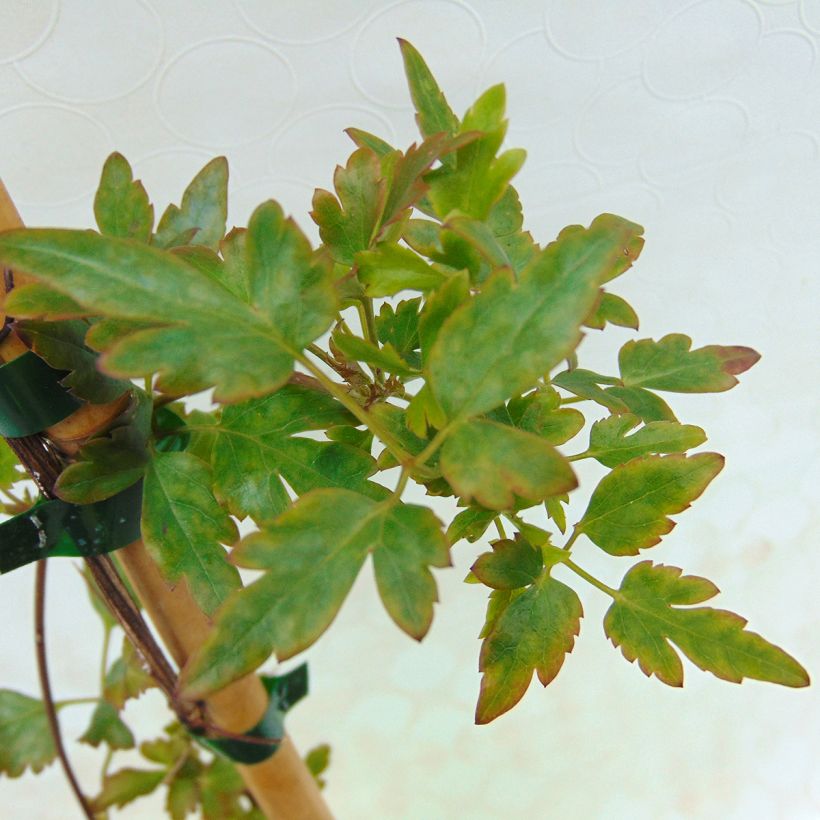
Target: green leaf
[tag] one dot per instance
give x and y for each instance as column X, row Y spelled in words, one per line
column 628, row 509
column 512, row 564
column 478, row 178
column 183, row 527
column 494, row 464
column 385, row 357
column 221, row 787
column 235, row 272
column 437, row 309
column 11, row 470
column 482, row 239
column 107, row 727
column 350, row 223
column 424, row 413
column 389, row 268
column 312, row 554
column 610, row 444
column 251, row 349
column 434, row 114
column 647, row 617
column 126, row 678
column 647, row 406
column 364, row 139
column 25, row 738
column 471, row 524
column 615, row 310
column 111, row 463
column 501, row 341
column 183, row 792
column 669, row 364
column 256, row 447
column 533, row 633
column 204, row 210
column 125, row 786
column 399, row 327
column 317, row 761
column 121, row 205
column 556, row 512
column 62, row 345
column 540, row 413
column 587, row 385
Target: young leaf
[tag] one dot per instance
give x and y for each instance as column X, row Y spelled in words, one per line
column 126, row 678
column 647, row 406
column 61, row 345
column 556, row 512
column 512, row 564
column 349, row 225
column 669, row 364
column 25, row 738
column 587, row 385
column 649, row 613
column 494, row 464
column 615, row 310
column 121, row 205
column 610, row 444
column 317, row 761
column 107, row 727
column 471, row 524
column 183, row 527
column 385, row 357
column 399, row 327
column 200, row 220
column 125, row 786
column 533, row 632
column 251, row 348
column 628, row 509
column 434, row 114
column 388, row 269
column 502, row 340
column 255, row 447
column 313, row 553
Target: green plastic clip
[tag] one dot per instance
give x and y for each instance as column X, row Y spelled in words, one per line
column 54, row 528
column 31, row 396
column 283, row 692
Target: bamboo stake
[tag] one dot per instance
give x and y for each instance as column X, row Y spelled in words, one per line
column 282, row 786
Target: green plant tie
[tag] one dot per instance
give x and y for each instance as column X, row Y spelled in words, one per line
column 31, row 396
column 283, row 692
column 54, row 528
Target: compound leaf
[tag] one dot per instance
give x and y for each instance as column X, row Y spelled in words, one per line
column 610, row 444
column 255, row 448
column 495, row 463
column 121, row 205
column 312, row 554
column 669, row 364
column 533, row 632
column 501, row 341
column 201, row 218
column 628, row 509
column 167, row 312
column 183, row 527
column 648, row 617
column 25, row 738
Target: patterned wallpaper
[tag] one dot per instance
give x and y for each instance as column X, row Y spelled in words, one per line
column 700, row 120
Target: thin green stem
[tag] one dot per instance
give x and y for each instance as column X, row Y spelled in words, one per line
column 435, row 443
column 591, row 579
column 320, row 354
column 369, row 320
column 578, row 456
column 573, row 537
column 573, row 399
column 500, row 527
column 106, row 763
column 401, row 484
column 104, row 661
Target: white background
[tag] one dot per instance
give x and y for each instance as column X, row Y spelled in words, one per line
column 699, row 120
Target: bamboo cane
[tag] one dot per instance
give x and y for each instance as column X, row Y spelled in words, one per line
column 282, row 786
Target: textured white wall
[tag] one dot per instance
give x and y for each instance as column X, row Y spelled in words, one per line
column 701, row 121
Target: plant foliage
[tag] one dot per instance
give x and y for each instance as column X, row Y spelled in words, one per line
column 469, row 384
